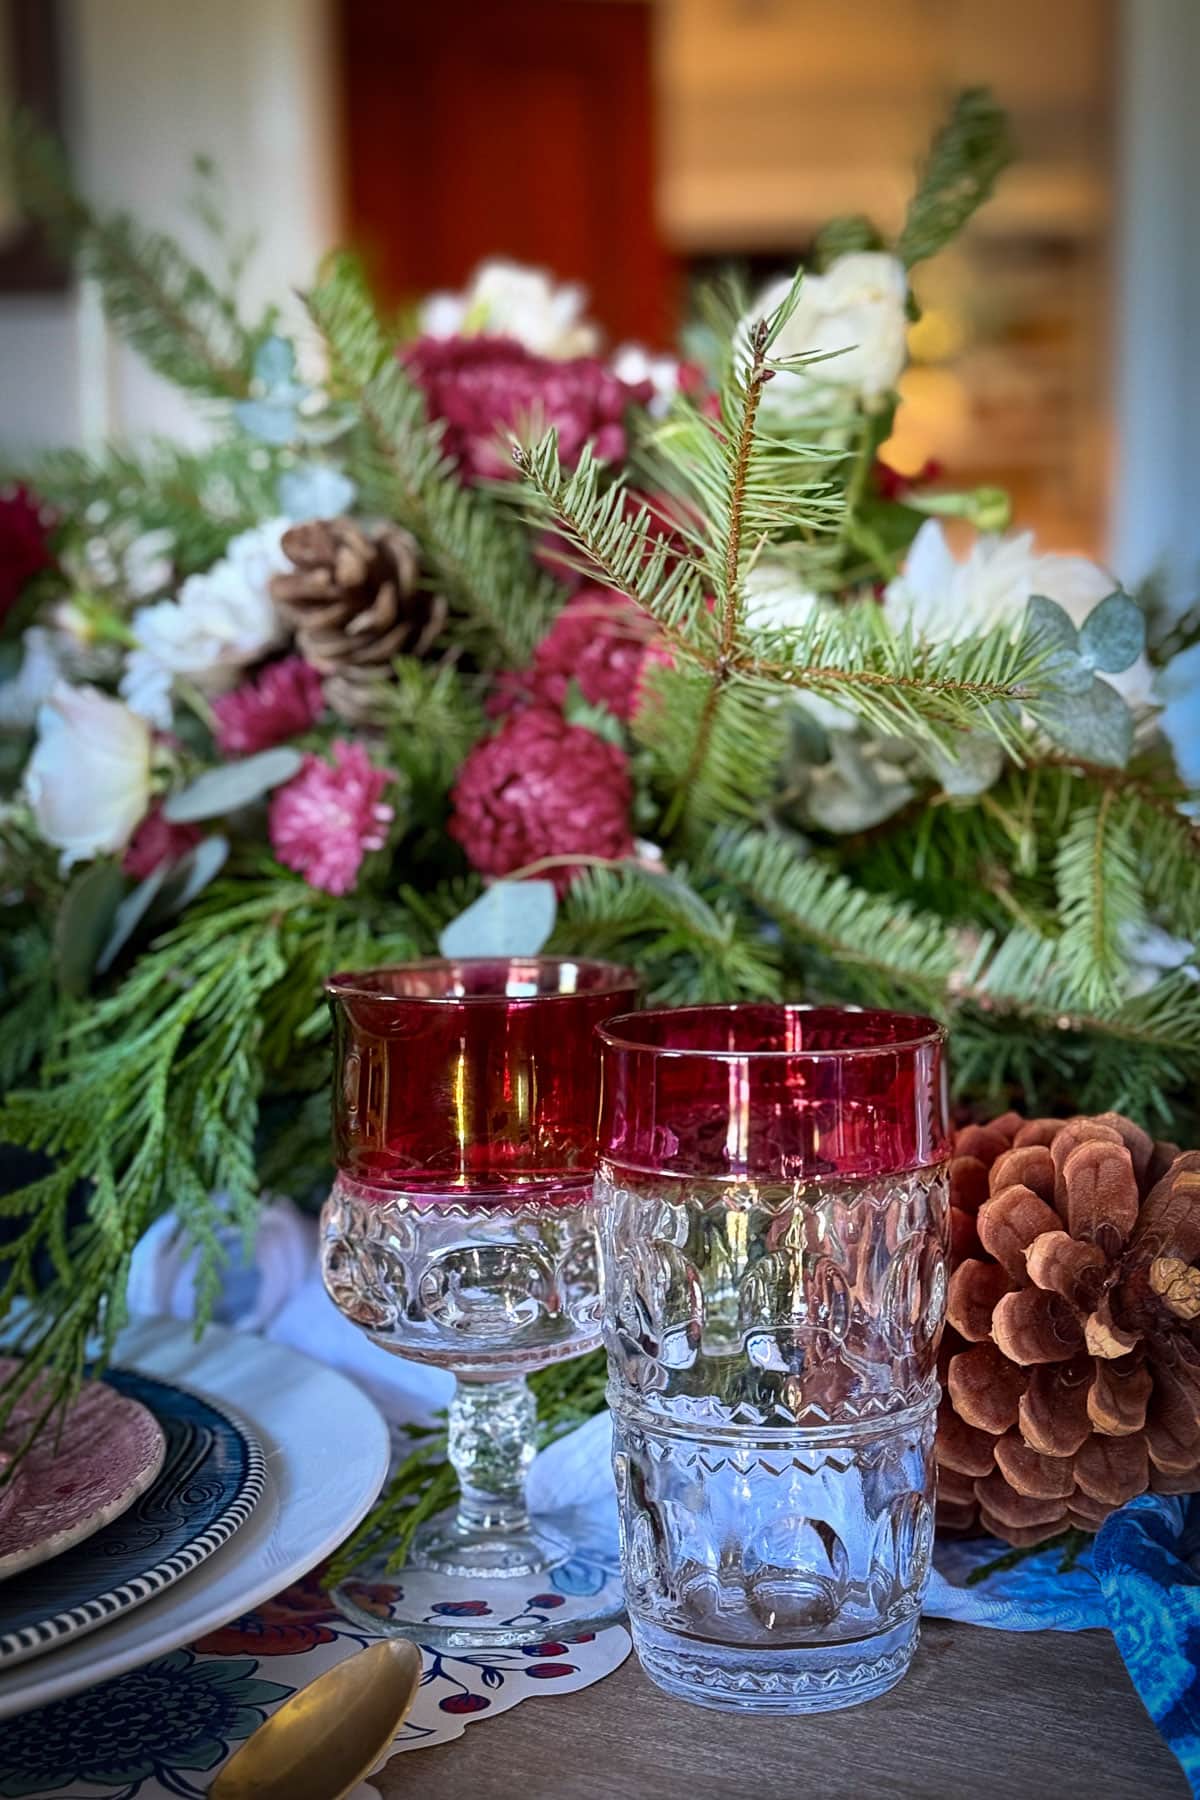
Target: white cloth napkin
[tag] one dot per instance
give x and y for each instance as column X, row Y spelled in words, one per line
column 162, row 1274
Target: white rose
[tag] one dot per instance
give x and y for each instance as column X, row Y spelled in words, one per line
column 220, row 621
column 945, row 600
column 504, row 299
column 856, row 311
column 88, row 780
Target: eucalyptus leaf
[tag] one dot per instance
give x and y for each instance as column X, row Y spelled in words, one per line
column 513, row 918
column 1113, row 635
column 315, row 490
column 1050, row 629
column 129, row 915
column 270, row 421
column 274, row 361
column 84, row 922
column 971, row 767
column 233, row 784
column 1095, row 725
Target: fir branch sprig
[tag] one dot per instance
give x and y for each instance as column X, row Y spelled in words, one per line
column 969, row 153
column 478, row 553
column 201, row 497
column 1101, row 901
column 161, row 302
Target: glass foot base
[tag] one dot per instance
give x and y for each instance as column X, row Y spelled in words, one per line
column 562, row 1600
column 815, row 1678
column 446, row 1547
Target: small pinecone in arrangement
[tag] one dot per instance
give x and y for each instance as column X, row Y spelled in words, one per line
column 356, row 601
column 1071, row 1360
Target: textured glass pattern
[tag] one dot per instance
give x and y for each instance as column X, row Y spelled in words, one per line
column 485, row 1289
column 772, row 1351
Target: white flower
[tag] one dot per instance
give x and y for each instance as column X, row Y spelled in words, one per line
column 33, row 682
column 857, row 310
column 945, row 600
column 221, row 621
column 504, row 299
column 634, row 363
column 88, row 780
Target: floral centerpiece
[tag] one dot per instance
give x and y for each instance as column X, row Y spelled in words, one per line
column 495, row 638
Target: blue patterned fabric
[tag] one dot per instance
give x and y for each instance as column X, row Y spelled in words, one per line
column 1140, row 1579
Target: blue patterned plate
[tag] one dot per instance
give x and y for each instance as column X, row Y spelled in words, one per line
column 212, row 1478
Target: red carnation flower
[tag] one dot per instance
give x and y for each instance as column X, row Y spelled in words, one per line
column 486, row 388
column 600, row 640
column 281, row 702
column 24, row 544
column 541, row 787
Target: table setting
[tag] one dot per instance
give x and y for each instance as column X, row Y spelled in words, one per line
column 608, row 1083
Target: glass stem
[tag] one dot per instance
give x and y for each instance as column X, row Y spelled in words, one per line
column 492, row 1425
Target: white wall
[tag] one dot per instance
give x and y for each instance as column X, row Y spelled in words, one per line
column 1156, row 491
column 152, row 83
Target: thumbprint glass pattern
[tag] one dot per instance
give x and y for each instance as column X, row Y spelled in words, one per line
column 462, row 1232
column 774, row 1241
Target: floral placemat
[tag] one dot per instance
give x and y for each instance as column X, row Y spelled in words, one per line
column 166, row 1728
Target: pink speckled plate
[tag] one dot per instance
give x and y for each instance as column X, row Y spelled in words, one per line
column 78, row 1476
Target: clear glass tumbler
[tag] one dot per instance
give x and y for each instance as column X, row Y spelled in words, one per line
column 462, row 1232
column 773, row 1265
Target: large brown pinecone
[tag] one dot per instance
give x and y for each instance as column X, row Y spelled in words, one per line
column 356, row 600
column 1071, row 1361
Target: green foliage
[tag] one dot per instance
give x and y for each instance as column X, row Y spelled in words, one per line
column 157, row 298
column 477, row 552
column 689, row 948
column 968, row 154
column 1100, row 899
column 202, row 497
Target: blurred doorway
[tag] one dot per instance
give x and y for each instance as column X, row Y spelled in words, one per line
column 523, row 128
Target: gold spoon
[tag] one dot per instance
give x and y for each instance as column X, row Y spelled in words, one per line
column 325, row 1739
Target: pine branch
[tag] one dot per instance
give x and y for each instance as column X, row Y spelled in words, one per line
column 623, row 551
column 1100, row 900
column 816, row 904
column 161, row 302
column 203, row 498
column 690, row 949
column 478, row 554
column 969, row 153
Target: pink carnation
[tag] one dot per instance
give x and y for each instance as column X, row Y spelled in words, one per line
column 284, row 700
column 599, row 640
column 541, row 787
column 487, row 389
column 157, row 841
column 323, row 821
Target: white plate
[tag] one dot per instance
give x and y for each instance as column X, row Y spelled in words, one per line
column 327, row 1455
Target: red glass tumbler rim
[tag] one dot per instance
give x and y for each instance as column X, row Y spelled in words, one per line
column 634, row 1031
column 369, row 984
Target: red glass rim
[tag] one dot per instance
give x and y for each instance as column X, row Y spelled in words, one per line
column 497, row 981
column 742, row 1031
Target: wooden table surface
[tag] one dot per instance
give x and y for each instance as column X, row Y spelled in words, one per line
column 982, row 1715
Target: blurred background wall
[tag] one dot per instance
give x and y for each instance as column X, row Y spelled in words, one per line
column 636, row 144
